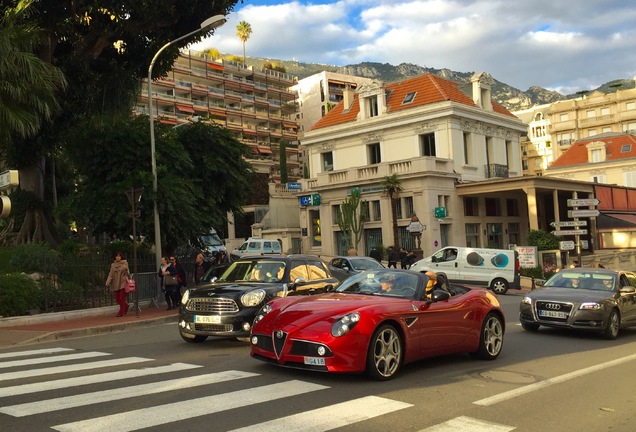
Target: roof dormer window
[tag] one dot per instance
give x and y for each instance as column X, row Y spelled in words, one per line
column 626, row 148
column 409, row 98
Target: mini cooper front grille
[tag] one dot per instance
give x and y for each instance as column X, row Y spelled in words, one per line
column 214, row 327
column 212, row 305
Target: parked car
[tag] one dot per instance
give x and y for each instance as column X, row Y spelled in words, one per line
column 256, row 246
column 362, row 326
column 227, row 306
column 350, row 265
column 590, row 299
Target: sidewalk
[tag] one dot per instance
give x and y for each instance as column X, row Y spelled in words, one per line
column 15, row 331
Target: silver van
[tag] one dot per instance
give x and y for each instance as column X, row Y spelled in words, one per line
column 257, row 246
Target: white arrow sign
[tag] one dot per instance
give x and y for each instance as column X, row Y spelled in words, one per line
column 570, row 232
column 569, row 223
column 566, row 245
column 583, row 202
column 583, row 213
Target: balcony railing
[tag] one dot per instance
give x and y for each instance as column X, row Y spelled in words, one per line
column 496, row 171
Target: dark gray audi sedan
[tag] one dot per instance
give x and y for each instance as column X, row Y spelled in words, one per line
column 589, row 299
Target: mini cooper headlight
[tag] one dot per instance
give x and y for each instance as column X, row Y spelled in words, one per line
column 344, row 324
column 590, row 306
column 526, row 300
column 185, row 297
column 261, row 313
column 253, row 298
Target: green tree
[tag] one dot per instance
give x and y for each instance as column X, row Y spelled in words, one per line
column 104, row 49
column 392, row 189
column 244, row 31
column 351, row 218
column 202, row 174
column 543, row 240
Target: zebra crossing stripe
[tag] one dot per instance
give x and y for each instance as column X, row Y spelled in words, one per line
column 34, row 352
column 70, row 368
column 93, row 379
column 188, row 409
column 468, row 424
column 54, row 359
column 42, row 406
column 331, row 417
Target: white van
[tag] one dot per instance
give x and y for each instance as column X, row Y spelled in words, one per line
column 256, row 246
column 497, row 269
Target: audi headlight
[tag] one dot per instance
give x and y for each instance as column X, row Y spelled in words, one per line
column 345, row 324
column 590, row 306
column 261, row 313
column 253, row 298
column 526, row 300
column 185, row 297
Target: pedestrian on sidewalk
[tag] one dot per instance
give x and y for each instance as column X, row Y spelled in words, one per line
column 167, row 270
column 116, row 281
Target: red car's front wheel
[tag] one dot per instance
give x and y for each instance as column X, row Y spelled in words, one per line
column 384, row 356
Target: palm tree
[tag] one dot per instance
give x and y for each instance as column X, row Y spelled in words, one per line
column 392, row 188
column 244, row 31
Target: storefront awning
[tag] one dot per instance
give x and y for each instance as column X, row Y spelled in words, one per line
column 616, row 220
column 185, row 108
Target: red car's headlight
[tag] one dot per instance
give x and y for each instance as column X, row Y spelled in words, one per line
column 344, row 324
column 261, row 313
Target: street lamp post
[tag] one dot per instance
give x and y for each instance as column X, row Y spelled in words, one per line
column 206, row 26
column 134, row 196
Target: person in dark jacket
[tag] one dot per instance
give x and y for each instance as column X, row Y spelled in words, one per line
column 182, row 281
column 394, row 257
column 375, row 254
column 200, row 267
column 167, row 269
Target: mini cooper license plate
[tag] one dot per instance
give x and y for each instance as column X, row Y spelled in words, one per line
column 553, row 314
column 207, row 319
column 315, row 361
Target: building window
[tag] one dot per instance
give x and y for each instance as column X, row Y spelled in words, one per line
column 600, row 178
column 468, row 149
column 606, row 129
column 493, row 207
column 564, row 117
column 630, row 128
column 630, row 105
column 398, row 208
column 524, row 164
column 605, row 111
column 514, row 234
column 365, row 207
column 508, row 145
column 314, row 217
column 512, row 207
column 408, row 98
column 373, row 151
column 590, row 113
column 335, row 212
column 596, row 155
column 427, row 144
column 591, row 132
column 372, row 106
column 408, row 206
column 471, row 206
column 629, row 178
column 626, row 148
column 472, row 235
column 376, row 214
column 327, row 161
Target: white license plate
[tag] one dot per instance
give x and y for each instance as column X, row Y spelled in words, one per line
column 553, row 314
column 207, row 319
column 316, row 361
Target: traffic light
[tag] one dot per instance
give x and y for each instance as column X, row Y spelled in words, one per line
column 5, row 206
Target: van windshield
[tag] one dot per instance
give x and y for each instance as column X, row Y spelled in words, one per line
column 211, row 240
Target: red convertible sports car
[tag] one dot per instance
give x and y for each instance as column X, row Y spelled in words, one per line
column 376, row 321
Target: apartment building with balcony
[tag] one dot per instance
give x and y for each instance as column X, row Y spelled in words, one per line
column 536, row 144
column 436, row 135
column 589, row 115
column 256, row 105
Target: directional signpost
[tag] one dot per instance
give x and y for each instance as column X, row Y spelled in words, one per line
column 583, row 202
column 576, row 223
column 570, row 232
column 583, row 213
column 575, row 213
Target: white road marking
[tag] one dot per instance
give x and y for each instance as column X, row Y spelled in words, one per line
column 468, row 424
column 69, row 368
column 93, row 379
column 559, row 379
column 53, row 359
column 34, row 352
column 184, row 410
column 330, row 417
column 57, row 404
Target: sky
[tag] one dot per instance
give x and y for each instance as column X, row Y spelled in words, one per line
column 562, row 45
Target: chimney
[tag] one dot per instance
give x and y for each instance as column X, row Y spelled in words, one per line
column 347, row 96
column 481, row 90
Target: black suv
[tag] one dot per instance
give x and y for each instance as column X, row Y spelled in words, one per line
column 228, row 305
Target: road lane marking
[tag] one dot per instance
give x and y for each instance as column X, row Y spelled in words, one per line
column 188, row 409
column 70, row 368
column 330, row 417
column 556, row 380
column 54, row 359
column 99, row 397
column 468, row 424
column 34, row 352
column 93, row 379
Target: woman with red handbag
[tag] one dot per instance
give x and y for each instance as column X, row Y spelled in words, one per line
column 116, row 281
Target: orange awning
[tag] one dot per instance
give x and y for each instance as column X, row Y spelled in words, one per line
column 185, row 108
column 264, row 150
